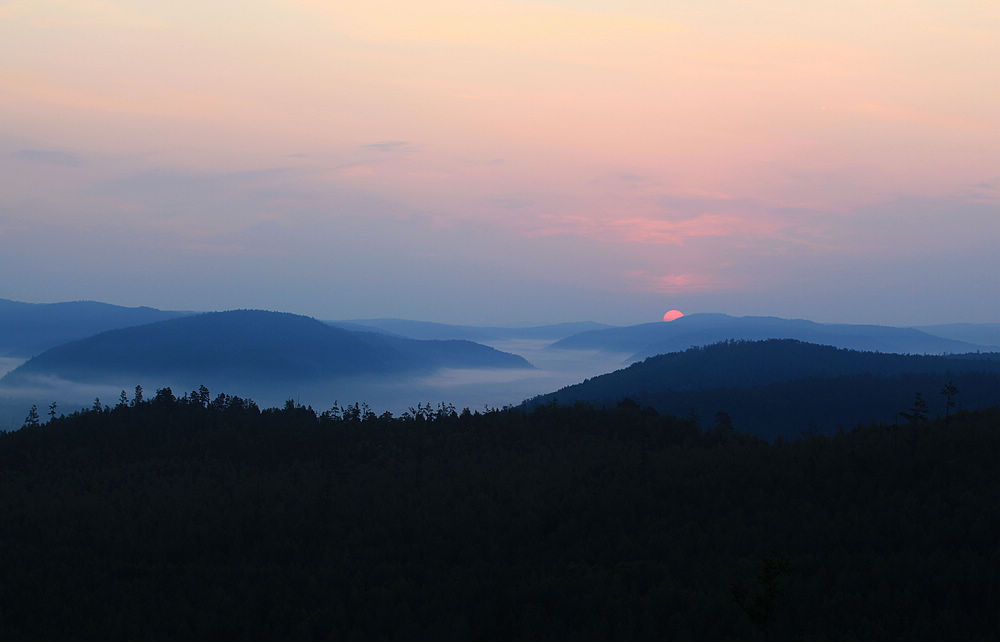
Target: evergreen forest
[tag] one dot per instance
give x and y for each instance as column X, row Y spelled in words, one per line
column 192, row 517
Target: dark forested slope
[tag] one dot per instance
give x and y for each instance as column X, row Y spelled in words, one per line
column 252, row 345
column 749, row 363
column 786, row 387
column 183, row 519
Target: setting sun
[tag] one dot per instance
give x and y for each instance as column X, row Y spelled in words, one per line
column 673, row 315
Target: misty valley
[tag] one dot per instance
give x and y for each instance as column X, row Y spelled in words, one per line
column 74, row 353
column 263, row 475
column 490, row 320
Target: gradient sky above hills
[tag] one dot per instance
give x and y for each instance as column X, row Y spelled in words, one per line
column 505, row 162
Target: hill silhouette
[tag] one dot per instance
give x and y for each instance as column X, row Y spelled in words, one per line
column 27, row 329
column 650, row 339
column 781, row 387
column 250, row 345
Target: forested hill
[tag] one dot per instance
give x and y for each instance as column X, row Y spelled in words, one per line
column 251, row 345
column 783, row 387
column 745, row 363
column 176, row 519
column 27, row 329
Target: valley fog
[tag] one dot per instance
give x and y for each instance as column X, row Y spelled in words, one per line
column 470, row 388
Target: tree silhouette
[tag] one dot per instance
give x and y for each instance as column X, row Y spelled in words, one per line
column 723, row 421
column 917, row 412
column 32, row 418
column 949, row 392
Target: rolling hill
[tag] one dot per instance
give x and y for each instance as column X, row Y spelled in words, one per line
column 27, row 329
column 252, row 345
column 781, row 387
column 650, row 339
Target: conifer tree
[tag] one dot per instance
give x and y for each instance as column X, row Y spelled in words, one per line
column 917, row 412
column 32, row 418
column 949, row 392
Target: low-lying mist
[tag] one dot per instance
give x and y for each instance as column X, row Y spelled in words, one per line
column 472, row 388
column 9, row 363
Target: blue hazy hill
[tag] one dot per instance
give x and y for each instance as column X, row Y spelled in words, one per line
column 987, row 334
column 650, row 339
column 252, row 346
column 27, row 329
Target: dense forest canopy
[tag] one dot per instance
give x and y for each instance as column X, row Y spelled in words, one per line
column 179, row 518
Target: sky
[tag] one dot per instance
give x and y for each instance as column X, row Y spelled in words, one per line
column 521, row 162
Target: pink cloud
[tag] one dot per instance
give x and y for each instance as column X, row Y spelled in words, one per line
column 654, row 231
column 682, row 283
column 355, row 171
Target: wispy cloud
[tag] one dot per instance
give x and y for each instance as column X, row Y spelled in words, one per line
column 652, row 230
column 47, row 156
column 510, row 202
column 986, row 191
column 390, row 146
column 680, row 283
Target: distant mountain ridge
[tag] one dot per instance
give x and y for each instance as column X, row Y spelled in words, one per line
column 252, row 344
column 650, row 339
column 987, row 334
column 27, row 329
column 431, row 330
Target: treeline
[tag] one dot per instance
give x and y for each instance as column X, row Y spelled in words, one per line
column 822, row 406
column 193, row 517
column 787, row 388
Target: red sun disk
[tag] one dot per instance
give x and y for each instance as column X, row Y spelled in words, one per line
column 672, row 315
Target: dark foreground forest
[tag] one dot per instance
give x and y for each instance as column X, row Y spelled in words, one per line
column 187, row 518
